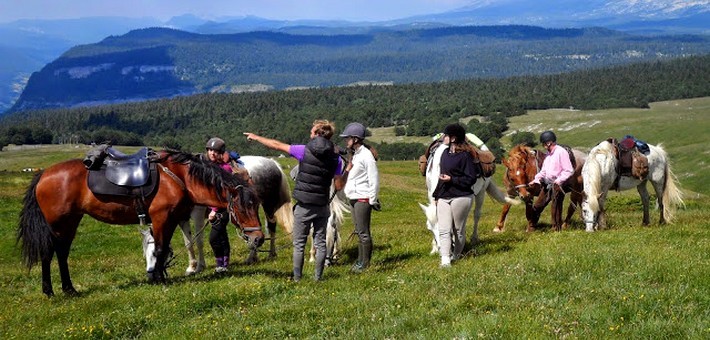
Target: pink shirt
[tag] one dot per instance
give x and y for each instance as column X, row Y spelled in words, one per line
column 227, row 168
column 556, row 167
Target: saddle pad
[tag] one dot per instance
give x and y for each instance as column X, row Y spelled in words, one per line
column 99, row 184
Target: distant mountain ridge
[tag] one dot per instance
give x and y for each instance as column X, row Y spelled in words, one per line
column 158, row 62
column 27, row 45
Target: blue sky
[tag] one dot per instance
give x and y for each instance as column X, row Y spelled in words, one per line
column 353, row 10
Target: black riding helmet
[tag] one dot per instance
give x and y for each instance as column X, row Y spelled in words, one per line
column 216, row 144
column 548, row 136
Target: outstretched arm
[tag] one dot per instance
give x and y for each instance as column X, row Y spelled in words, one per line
column 268, row 142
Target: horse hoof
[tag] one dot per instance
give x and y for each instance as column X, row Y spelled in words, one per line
column 71, row 292
column 497, row 230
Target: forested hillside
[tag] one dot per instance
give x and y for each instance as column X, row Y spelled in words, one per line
column 160, row 63
column 415, row 109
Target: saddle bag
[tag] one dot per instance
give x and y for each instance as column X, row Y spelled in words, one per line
column 487, row 161
column 422, row 164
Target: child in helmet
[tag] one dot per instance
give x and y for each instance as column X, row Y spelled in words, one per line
column 219, row 218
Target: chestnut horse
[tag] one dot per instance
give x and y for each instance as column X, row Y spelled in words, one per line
column 59, row 197
column 522, row 165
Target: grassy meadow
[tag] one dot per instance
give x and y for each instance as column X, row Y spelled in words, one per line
column 628, row 281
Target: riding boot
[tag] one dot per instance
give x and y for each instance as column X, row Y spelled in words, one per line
column 366, row 254
column 357, row 266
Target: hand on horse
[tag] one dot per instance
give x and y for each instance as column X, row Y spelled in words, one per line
column 444, row 178
column 212, row 215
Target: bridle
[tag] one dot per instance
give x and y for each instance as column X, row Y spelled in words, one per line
column 233, row 216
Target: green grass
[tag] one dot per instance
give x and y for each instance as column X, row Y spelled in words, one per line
column 625, row 282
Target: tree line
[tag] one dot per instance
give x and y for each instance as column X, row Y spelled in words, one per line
column 412, row 109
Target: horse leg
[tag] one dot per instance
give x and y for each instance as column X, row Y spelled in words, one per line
column 601, row 219
column 659, row 187
column 187, row 237
column 478, row 201
column 198, row 220
column 501, row 221
column 532, row 216
column 271, row 226
column 643, row 192
column 47, row 274
column 62, row 245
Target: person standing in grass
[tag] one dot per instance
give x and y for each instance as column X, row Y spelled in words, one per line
column 454, row 193
column 219, row 218
column 318, row 164
column 362, row 187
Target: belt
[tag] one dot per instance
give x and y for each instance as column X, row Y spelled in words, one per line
column 363, row 200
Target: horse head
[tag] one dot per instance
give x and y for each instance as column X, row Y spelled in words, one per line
column 522, row 166
column 151, row 259
column 243, row 207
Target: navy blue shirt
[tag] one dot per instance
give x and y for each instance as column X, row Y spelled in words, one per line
column 463, row 174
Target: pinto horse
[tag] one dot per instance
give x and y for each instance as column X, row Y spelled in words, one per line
column 600, row 174
column 271, row 186
column 522, row 164
column 59, row 197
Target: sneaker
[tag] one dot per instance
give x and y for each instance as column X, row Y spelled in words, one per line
column 294, row 279
column 357, row 268
column 220, row 270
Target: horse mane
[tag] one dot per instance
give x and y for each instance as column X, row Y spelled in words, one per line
column 208, row 173
column 517, row 151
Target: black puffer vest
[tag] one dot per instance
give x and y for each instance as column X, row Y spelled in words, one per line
column 315, row 172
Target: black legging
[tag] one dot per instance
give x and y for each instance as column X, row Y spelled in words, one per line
column 219, row 240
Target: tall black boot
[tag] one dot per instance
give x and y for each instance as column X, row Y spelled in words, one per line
column 366, row 254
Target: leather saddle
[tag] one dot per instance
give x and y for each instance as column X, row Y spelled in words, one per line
column 123, row 175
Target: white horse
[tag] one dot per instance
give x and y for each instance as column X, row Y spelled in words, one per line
column 339, row 206
column 482, row 185
column 600, row 173
column 271, row 186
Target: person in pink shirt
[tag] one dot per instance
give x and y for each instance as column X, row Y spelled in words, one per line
column 219, row 218
column 556, row 169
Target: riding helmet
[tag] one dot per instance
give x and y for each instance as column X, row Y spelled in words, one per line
column 216, row 144
column 457, row 131
column 548, row 136
column 354, row 130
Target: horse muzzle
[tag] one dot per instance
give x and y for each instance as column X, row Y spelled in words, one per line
column 254, row 237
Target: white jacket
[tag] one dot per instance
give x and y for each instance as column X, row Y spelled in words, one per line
column 363, row 179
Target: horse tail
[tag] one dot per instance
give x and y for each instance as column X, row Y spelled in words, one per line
column 591, row 175
column 495, row 193
column 672, row 195
column 285, row 213
column 34, row 231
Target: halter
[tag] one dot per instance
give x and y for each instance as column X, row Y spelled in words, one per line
column 233, row 216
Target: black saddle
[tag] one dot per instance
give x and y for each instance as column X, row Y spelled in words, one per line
column 127, row 170
column 123, row 175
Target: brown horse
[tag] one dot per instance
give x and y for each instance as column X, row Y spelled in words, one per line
column 522, row 165
column 59, row 197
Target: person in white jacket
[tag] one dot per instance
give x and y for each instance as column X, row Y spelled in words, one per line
column 362, row 188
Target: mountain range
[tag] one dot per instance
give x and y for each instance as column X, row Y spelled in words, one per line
column 28, row 45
